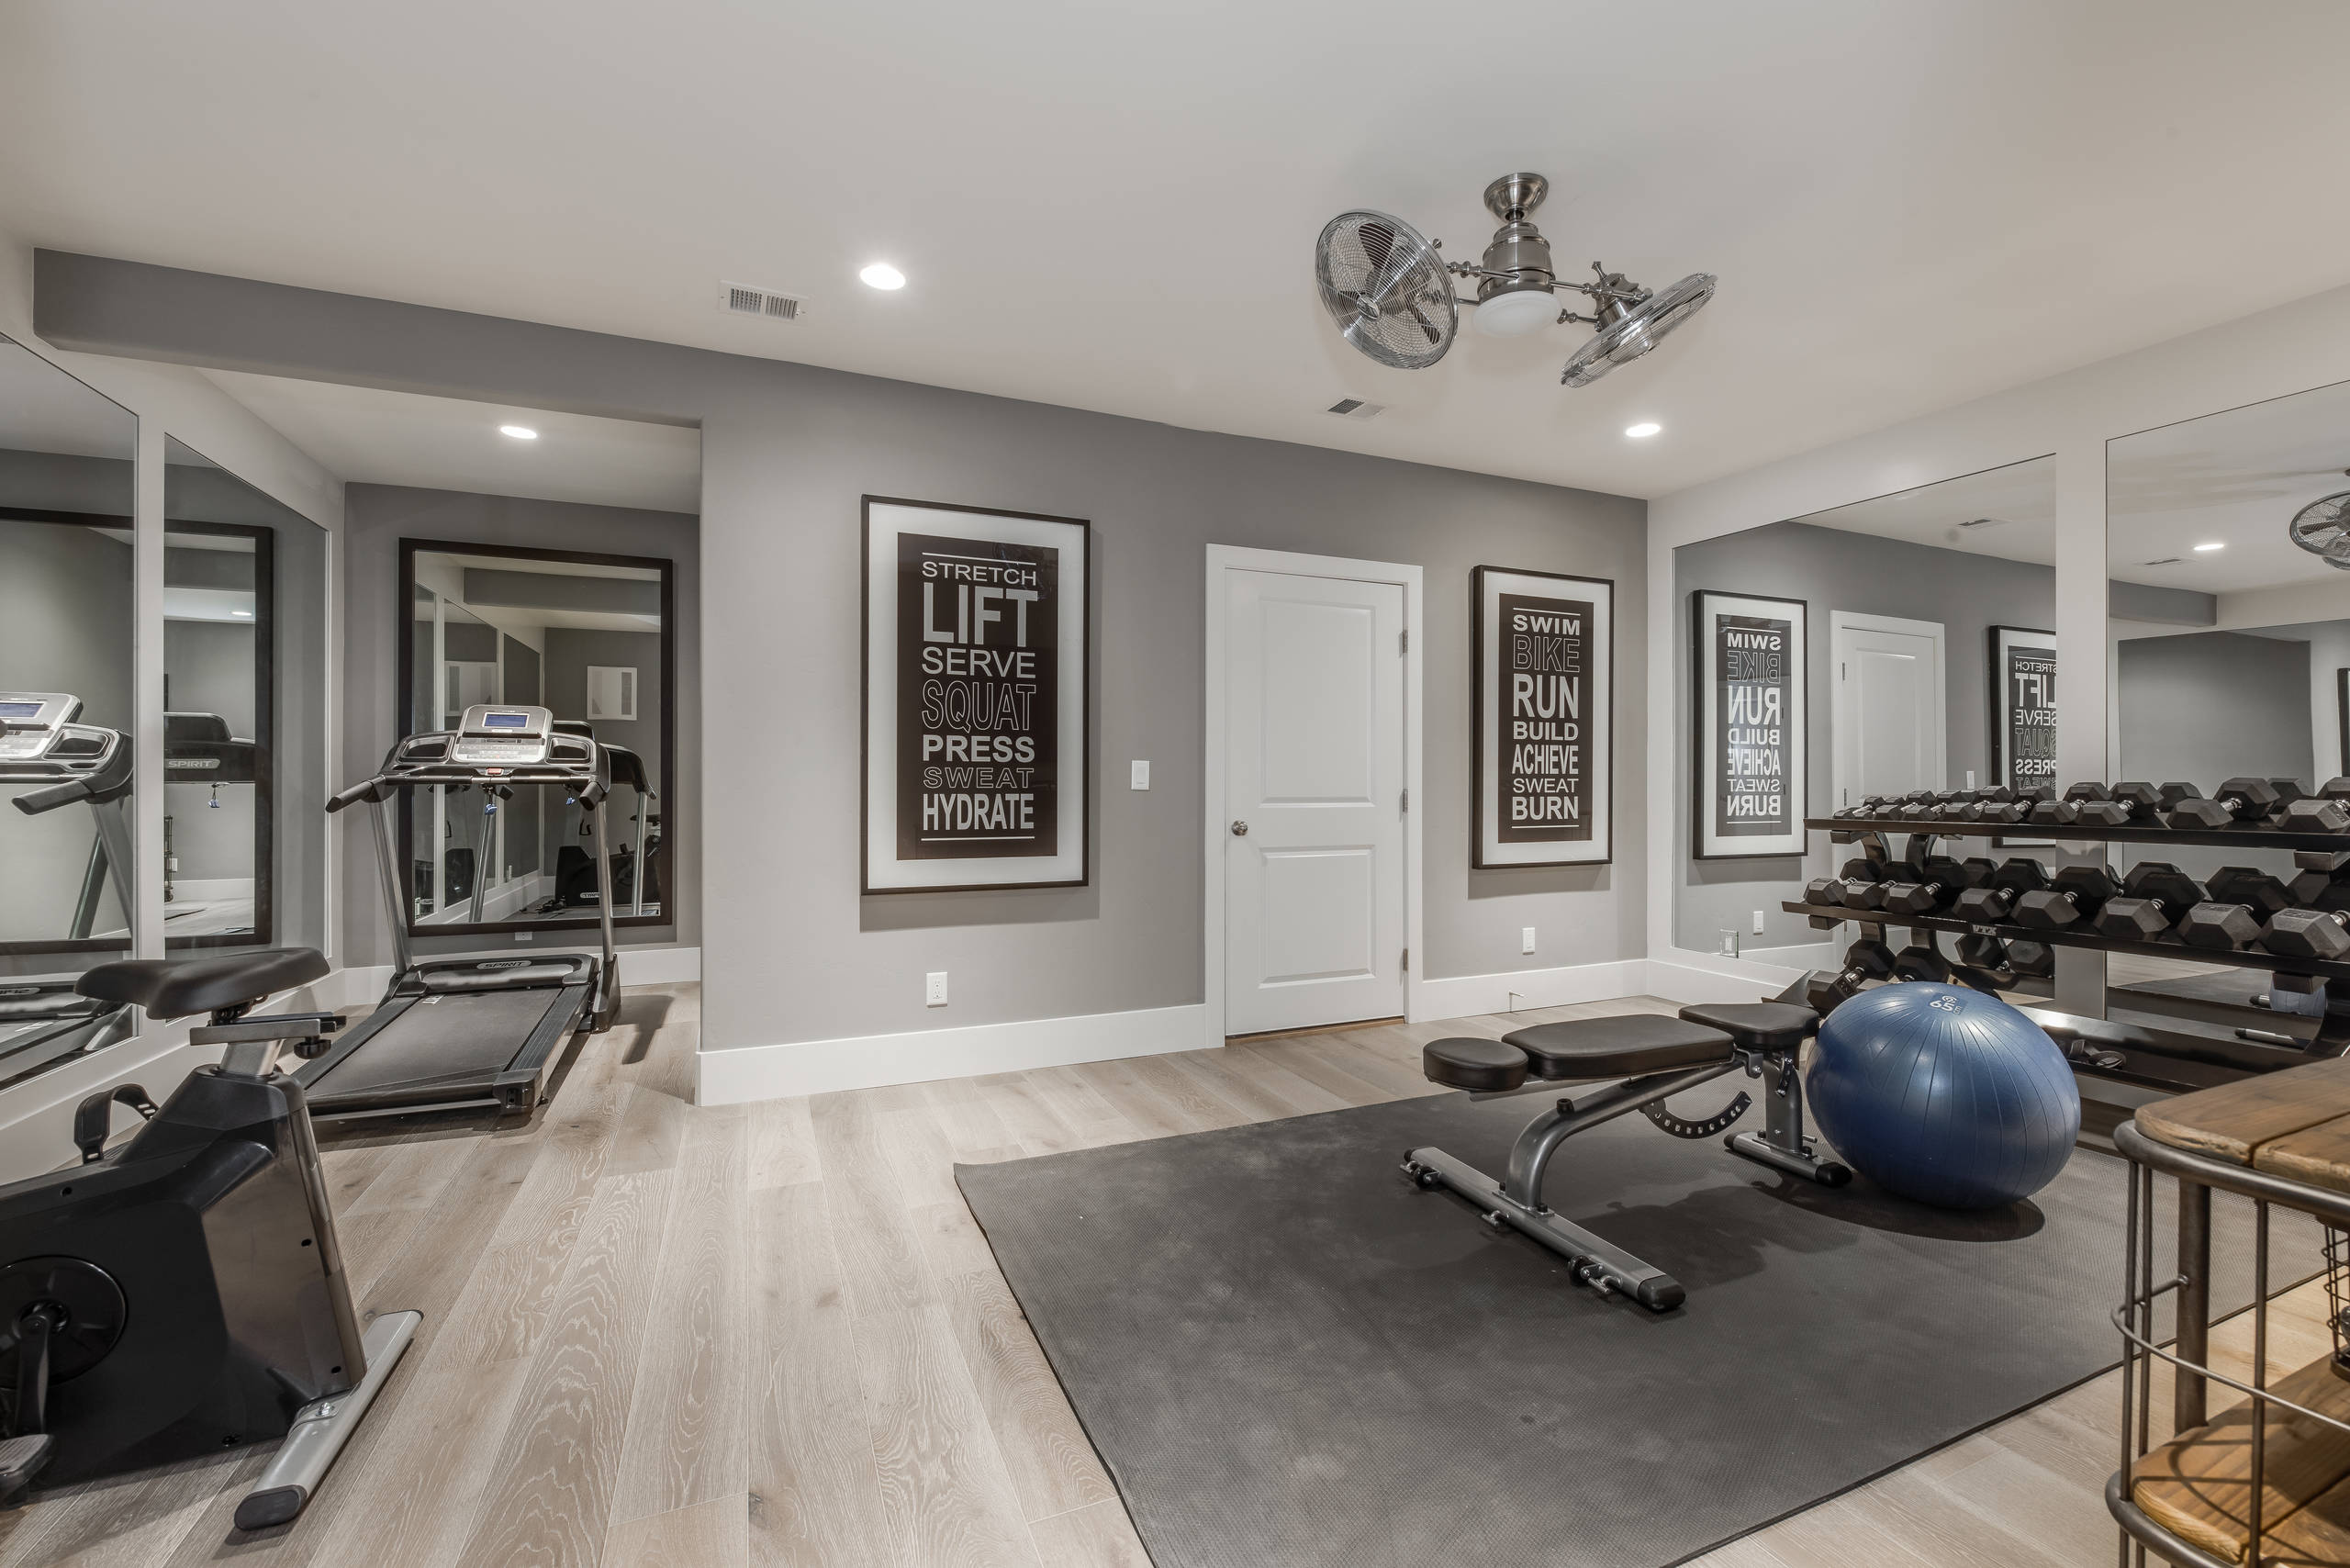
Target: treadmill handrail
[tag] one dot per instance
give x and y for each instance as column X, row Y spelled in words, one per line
column 96, row 777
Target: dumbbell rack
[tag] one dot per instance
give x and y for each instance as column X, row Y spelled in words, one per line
column 2148, row 1057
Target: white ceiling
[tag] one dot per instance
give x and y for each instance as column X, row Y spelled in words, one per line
column 1909, row 202
column 2010, row 513
column 368, row 436
column 2236, row 479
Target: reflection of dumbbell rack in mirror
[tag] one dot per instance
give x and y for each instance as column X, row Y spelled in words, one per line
column 2281, row 997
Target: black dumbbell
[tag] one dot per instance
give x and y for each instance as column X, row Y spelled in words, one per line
column 1869, row 959
column 2322, row 883
column 2007, row 811
column 2054, row 813
column 2173, row 796
column 1823, row 890
column 2035, row 792
column 2128, row 919
column 1921, row 962
column 2287, row 791
column 2036, row 959
column 2309, row 934
column 2240, row 802
column 1854, row 892
column 2256, row 891
column 2226, row 926
column 2161, row 879
column 2019, row 875
column 1959, row 812
column 2145, row 801
column 1909, row 898
column 1823, row 990
column 2093, row 802
column 2078, row 894
column 1983, row 906
column 2313, row 815
column 1977, row 951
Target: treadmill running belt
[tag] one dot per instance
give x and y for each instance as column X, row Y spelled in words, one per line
column 458, row 1036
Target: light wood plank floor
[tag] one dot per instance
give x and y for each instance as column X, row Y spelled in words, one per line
column 662, row 1335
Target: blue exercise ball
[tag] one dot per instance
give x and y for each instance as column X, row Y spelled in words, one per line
column 1943, row 1095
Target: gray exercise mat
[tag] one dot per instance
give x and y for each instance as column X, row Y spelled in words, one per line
column 1287, row 1355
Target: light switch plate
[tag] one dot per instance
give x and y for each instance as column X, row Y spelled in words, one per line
column 1758, row 922
column 1526, row 939
column 934, row 989
column 1139, row 775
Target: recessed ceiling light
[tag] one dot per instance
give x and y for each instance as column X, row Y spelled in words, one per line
column 1642, row 431
column 2207, row 549
column 520, row 433
column 881, row 274
column 245, row 614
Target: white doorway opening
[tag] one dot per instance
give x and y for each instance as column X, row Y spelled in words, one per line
column 1891, row 730
column 1312, row 773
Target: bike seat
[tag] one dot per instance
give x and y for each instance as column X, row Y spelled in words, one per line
column 175, row 988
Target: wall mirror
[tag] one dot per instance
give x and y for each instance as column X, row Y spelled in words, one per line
column 2230, row 622
column 67, row 460
column 1918, row 654
column 589, row 637
column 243, row 720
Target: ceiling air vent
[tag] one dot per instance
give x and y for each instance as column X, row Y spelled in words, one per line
column 741, row 300
column 2165, row 561
column 1356, row 409
column 1984, row 522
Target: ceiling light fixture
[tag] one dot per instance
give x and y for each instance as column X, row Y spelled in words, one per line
column 2207, row 549
column 520, row 433
column 1390, row 293
column 242, row 614
column 1642, row 431
column 882, row 275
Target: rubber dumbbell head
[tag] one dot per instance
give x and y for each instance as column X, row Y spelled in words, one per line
column 1959, row 812
column 2144, row 801
column 1823, row 890
column 2034, row 792
column 2054, row 814
column 2309, row 934
column 2036, row 959
column 2128, row 919
column 1909, row 898
column 2287, row 791
column 2161, row 879
column 1920, row 962
column 2222, row 926
column 2256, row 891
column 2172, row 796
column 2240, row 801
column 2087, row 790
column 1977, row 871
column 1853, row 893
column 1983, row 906
column 2007, row 811
column 1977, row 951
column 1860, row 868
column 1822, row 991
column 2335, row 789
column 2309, row 815
column 2020, row 875
column 2078, row 894
column 1870, row 958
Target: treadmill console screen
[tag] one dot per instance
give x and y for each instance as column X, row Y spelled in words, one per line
column 19, row 710
column 503, row 738
column 505, row 721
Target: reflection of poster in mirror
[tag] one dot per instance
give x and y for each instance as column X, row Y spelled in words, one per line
column 2341, row 716
column 1544, row 686
column 1751, row 777
column 975, row 698
column 2023, row 706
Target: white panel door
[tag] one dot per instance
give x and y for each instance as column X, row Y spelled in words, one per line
column 1313, row 788
column 1891, row 735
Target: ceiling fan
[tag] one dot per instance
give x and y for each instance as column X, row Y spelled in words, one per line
column 2322, row 528
column 1392, row 296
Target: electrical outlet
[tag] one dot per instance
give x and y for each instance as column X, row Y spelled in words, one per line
column 1758, row 922
column 1526, row 939
column 1730, row 942
column 934, row 989
column 1970, row 778
column 1138, row 775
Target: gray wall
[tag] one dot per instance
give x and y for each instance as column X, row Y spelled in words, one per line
column 375, row 519
column 791, row 950
column 1831, row 570
column 2212, row 706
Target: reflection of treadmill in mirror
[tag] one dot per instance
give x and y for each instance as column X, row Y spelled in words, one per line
column 44, row 1022
column 199, row 749
column 633, row 882
column 454, row 1034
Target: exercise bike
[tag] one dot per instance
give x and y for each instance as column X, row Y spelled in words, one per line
column 184, row 1292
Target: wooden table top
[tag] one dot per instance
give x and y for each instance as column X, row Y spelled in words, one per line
column 2294, row 1123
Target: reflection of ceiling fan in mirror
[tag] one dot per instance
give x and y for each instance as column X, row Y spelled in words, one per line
column 1392, row 296
column 2322, row 528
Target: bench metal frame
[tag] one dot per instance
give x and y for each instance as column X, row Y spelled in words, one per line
column 1515, row 1202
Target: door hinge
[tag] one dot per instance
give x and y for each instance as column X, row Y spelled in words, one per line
column 1408, row 960
column 1403, row 642
column 1406, row 804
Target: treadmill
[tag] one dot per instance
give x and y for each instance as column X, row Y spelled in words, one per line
column 43, row 1023
column 472, row 1033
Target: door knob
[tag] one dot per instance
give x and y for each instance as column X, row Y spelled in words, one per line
column 1239, row 829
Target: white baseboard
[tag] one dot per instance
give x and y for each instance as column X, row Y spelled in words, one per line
column 1467, row 996
column 870, row 1061
column 1707, row 977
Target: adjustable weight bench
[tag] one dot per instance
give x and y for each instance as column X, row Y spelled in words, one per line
column 1655, row 1058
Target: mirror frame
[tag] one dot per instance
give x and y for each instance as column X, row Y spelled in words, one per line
column 664, row 778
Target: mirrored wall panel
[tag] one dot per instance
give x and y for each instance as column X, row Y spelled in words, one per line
column 67, row 459
column 1898, row 643
column 244, row 711
column 2228, row 547
column 589, row 638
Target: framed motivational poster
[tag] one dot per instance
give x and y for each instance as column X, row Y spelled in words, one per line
column 2023, row 706
column 1545, row 678
column 1750, row 785
column 976, row 676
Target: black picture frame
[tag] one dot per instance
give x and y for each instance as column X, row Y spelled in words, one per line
column 1597, row 743
column 1795, row 745
column 2003, row 641
column 1072, row 766
column 2341, row 716
column 264, row 539
column 665, row 782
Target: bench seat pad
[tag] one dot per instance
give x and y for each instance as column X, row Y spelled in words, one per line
column 1758, row 1025
column 1483, row 1067
column 1628, row 1046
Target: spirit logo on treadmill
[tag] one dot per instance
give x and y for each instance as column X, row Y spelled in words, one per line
column 503, row 964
